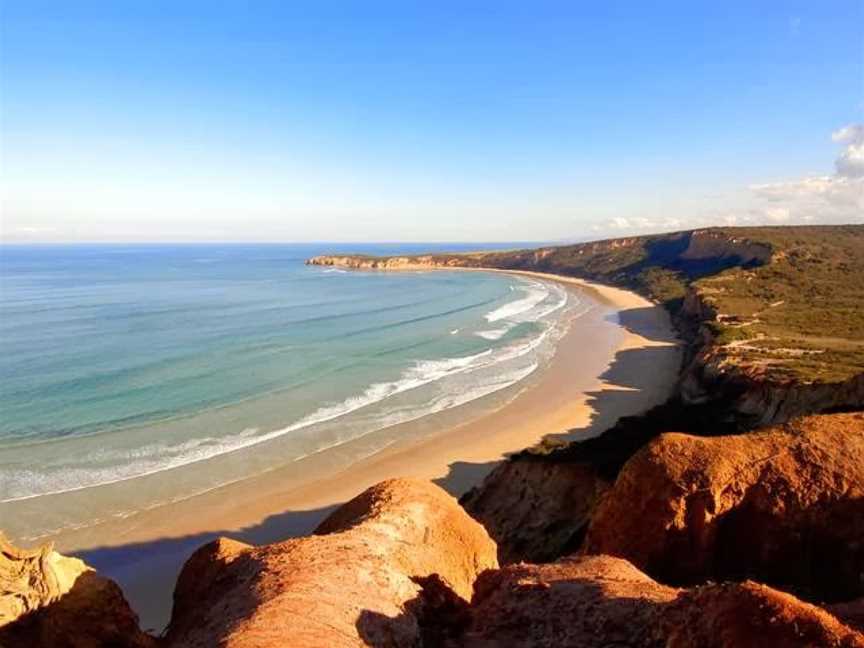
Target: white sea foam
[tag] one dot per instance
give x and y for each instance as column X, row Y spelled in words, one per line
column 536, row 293
column 116, row 465
column 442, row 403
column 112, row 466
column 493, row 334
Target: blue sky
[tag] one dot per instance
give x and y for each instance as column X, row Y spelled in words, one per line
column 436, row 121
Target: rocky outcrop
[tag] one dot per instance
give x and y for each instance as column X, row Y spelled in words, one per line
column 756, row 402
column 784, row 506
column 601, row 601
column 750, row 615
column 717, row 372
column 378, row 566
column 719, row 245
column 50, row 600
column 420, row 262
column 538, row 503
column 586, row 601
column 536, row 510
column 403, row 565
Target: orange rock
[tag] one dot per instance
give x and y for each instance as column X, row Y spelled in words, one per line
column 601, row 601
column 361, row 583
column 784, row 506
column 536, row 510
column 583, row 601
column 53, row 601
column 749, row 615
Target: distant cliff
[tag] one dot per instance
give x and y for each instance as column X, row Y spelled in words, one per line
column 742, row 297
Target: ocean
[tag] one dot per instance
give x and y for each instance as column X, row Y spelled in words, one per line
column 133, row 376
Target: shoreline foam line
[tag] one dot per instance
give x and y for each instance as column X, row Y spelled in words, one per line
column 211, row 447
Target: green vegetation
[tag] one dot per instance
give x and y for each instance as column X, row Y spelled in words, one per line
column 802, row 314
column 788, row 301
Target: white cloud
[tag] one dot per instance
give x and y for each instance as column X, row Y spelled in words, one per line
column 850, row 164
column 826, row 198
column 816, row 199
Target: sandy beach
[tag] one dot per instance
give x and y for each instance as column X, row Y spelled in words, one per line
column 618, row 359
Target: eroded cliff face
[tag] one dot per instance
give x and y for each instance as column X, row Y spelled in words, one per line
column 421, row 262
column 536, row 510
column 52, row 601
column 402, row 566
column 714, row 244
column 784, row 506
column 729, row 372
column 580, row 601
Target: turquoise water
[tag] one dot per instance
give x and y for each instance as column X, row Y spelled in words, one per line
column 137, row 375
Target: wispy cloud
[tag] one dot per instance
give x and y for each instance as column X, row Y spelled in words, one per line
column 824, row 198
column 833, row 198
column 850, row 164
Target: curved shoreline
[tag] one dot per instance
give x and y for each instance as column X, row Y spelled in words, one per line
column 594, row 377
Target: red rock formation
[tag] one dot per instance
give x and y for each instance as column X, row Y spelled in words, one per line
column 534, row 509
column 601, row 601
column 749, row 615
column 585, row 601
column 785, row 506
column 49, row 600
column 361, row 583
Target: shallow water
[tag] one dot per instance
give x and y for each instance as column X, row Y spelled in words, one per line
column 133, row 376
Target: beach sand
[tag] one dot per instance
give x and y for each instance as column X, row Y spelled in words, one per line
column 618, row 359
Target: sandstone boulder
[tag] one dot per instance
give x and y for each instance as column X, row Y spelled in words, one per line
column 750, row 615
column 784, row 506
column 601, row 601
column 366, row 580
column 537, row 505
column 590, row 601
column 49, row 600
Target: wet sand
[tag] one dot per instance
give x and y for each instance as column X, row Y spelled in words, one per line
column 618, row 359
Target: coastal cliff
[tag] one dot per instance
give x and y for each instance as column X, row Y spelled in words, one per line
column 402, row 566
column 730, row 515
column 742, row 299
column 758, row 354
